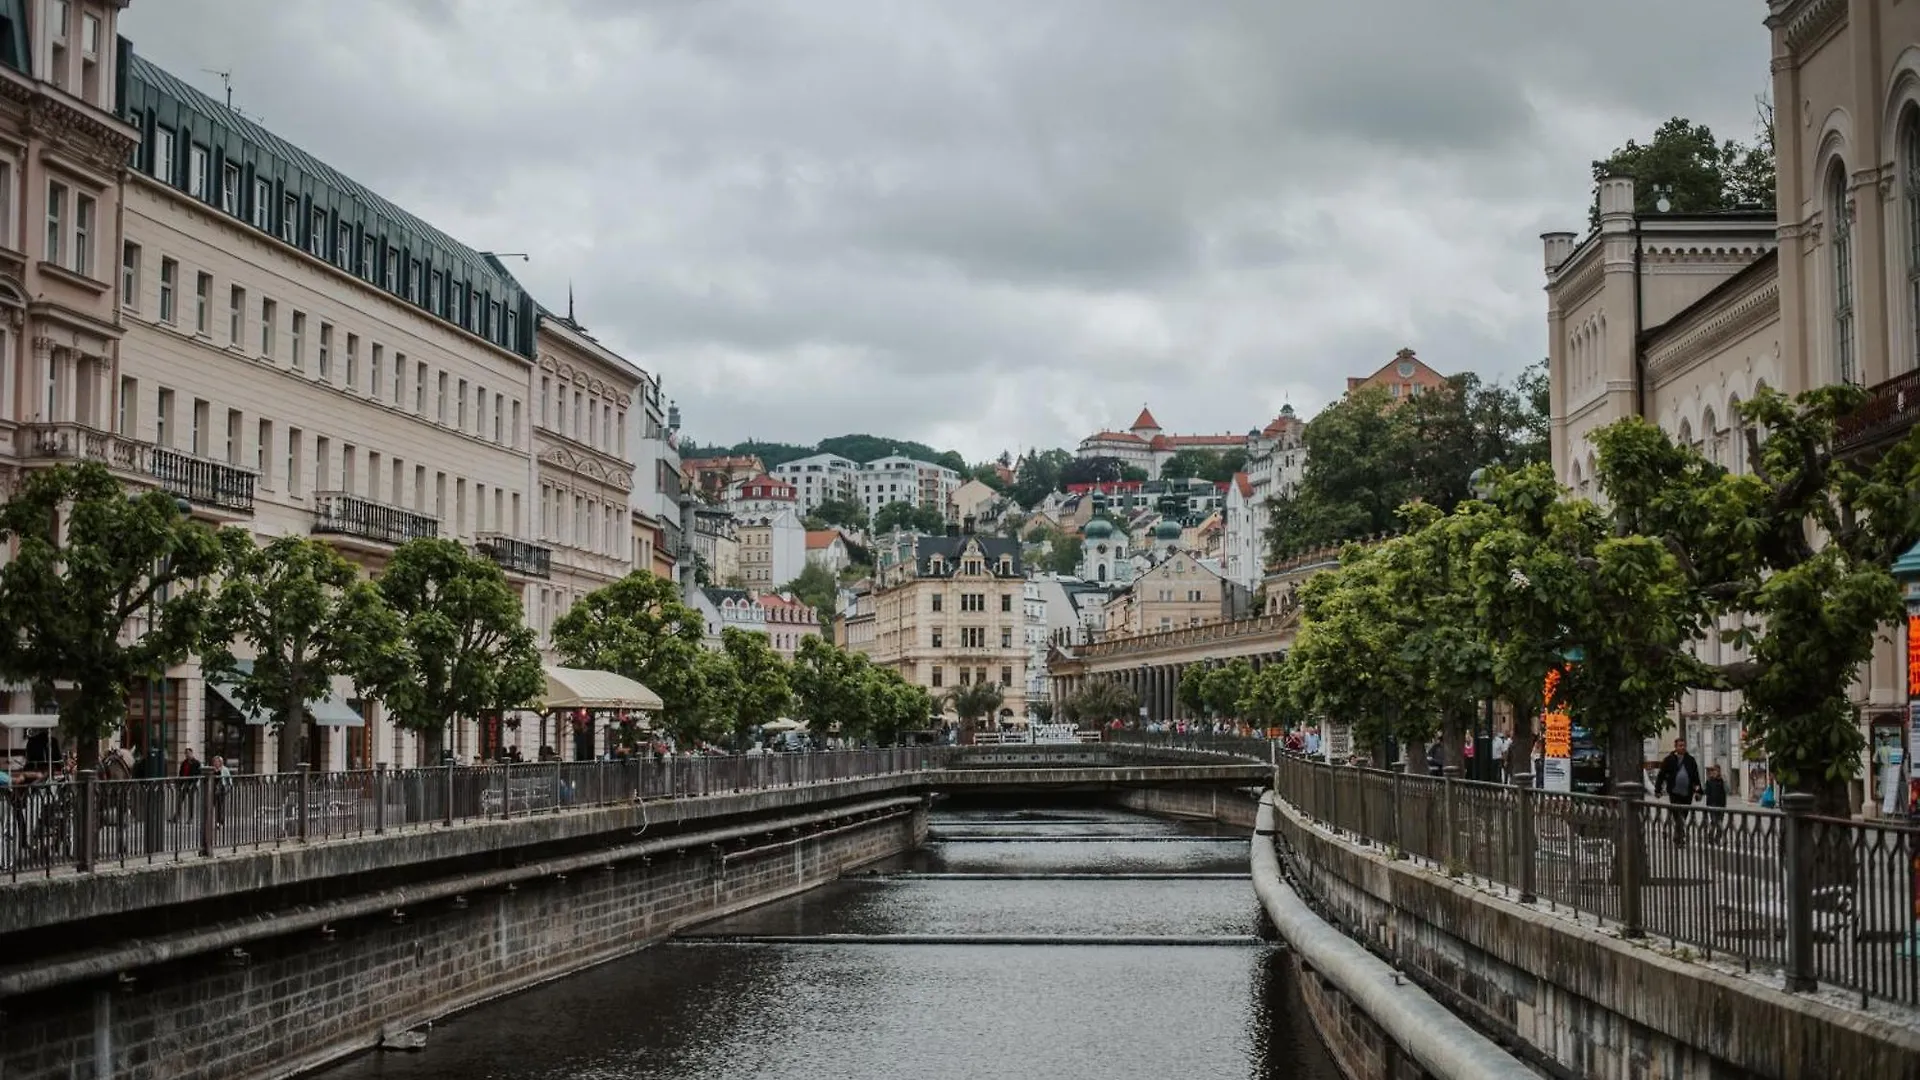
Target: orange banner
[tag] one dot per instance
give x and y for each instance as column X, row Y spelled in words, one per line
column 1913, row 656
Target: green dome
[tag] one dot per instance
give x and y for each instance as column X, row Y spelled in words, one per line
column 1168, row 529
column 1099, row 529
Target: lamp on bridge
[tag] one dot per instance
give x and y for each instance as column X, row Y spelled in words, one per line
column 1906, row 570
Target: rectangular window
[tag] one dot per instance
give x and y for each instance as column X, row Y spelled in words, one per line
column 493, row 320
column 343, row 246
column 499, row 419
column 197, row 434
column 197, row 171
column 460, row 408
column 459, row 506
column 290, row 220
column 476, row 307
column 1006, row 638
column 263, row 205
column 392, row 271
column 169, row 275
column 56, row 223
column 324, row 356
column 293, row 461
column 269, row 314
column 399, row 481
column 236, row 317
column 938, row 638
column 512, row 329
column 936, row 601
column 376, row 367
column 83, row 234
column 433, row 290
column 162, row 417
column 124, row 418
column 440, row 496
column 232, row 448
column 317, row 233
column 353, row 366
column 938, row 673
column 546, row 409
column 7, row 239
column 348, row 477
column 230, row 188
column 516, row 513
column 1006, row 676
column 440, row 398
column 297, row 337
column 163, row 155
column 413, row 281
column 419, row 488
column 479, row 507
column 366, row 258
column 1006, row 602
column 203, row 304
column 419, row 387
column 130, row 276
column 515, row 435
column 373, row 475
column 263, row 453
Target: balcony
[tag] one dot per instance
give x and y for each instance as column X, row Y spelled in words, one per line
column 1888, row 412
column 516, row 556
column 342, row 514
column 198, row 480
column 195, row 479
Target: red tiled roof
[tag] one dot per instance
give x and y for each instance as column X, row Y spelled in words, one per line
column 1114, row 436
column 1241, row 481
column 821, row 538
column 1202, row 440
column 1145, row 420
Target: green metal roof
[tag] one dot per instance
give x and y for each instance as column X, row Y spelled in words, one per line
column 153, row 96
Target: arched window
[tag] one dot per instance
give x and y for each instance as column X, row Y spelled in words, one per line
column 1910, row 197
column 1685, row 438
column 1711, row 434
column 1840, row 215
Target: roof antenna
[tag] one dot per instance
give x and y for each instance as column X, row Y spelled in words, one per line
column 226, row 82
column 570, row 300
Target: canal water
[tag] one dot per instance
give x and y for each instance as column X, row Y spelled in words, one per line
column 771, row 993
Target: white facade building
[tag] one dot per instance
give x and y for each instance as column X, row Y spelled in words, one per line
column 904, row 479
column 819, row 478
column 773, row 548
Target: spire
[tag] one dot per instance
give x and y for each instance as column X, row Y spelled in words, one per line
column 570, row 300
column 1145, row 421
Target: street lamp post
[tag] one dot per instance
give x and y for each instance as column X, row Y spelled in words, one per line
column 157, row 731
column 1906, row 570
column 1483, row 764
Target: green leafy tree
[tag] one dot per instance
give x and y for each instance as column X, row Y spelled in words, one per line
column 829, row 685
column 468, row 649
column 308, row 616
column 762, row 694
column 817, row 588
column 719, row 700
column 990, row 476
column 1091, row 470
column 1697, row 173
column 1213, row 466
column 1226, row 686
column 1191, row 691
column 1041, row 712
column 102, row 590
column 905, row 515
column 1134, row 474
column 1038, row 476
column 900, row 707
column 973, row 703
column 847, row 513
column 638, row 627
column 1064, row 553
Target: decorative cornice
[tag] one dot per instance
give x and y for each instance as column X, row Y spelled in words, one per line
column 1807, row 21
column 594, row 384
column 99, row 144
column 1710, row 330
column 590, row 465
column 1582, row 283
column 1740, row 251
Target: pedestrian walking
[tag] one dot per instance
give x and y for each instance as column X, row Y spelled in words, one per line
column 1679, row 780
column 1716, row 795
column 189, row 777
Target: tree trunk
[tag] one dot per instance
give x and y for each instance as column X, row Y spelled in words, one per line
column 1452, row 741
column 1524, row 734
column 433, row 741
column 1625, row 758
column 291, row 727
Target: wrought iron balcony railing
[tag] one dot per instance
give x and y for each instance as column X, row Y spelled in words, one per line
column 516, row 556
column 1890, row 409
column 345, row 514
column 196, row 479
column 210, row 483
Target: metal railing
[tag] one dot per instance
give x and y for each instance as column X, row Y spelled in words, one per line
column 85, row 823
column 1817, row 899
column 1890, row 409
column 515, row 555
column 347, row 514
column 196, row 479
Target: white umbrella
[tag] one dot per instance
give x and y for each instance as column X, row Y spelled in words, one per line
column 783, row 724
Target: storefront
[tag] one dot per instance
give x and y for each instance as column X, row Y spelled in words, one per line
column 325, row 715
column 584, row 702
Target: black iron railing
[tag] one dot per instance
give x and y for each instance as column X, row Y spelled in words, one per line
column 1890, row 409
column 210, row 483
column 516, row 556
column 344, row 514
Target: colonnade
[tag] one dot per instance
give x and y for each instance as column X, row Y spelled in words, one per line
column 1156, row 685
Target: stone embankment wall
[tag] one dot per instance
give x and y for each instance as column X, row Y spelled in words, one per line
column 1226, row 805
column 281, row 1004
column 1575, row 1000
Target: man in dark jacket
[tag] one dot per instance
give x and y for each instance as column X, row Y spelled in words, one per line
column 1679, row 779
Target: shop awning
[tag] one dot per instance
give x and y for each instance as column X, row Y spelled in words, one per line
column 581, row 688
column 331, row 710
column 29, row 721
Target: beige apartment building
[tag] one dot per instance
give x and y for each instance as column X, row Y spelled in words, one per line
column 949, row 614
column 207, row 309
column 1178, row 591
column 581, row 431
column 1678, row 318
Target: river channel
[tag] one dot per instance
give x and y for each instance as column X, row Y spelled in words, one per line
column 1190, row 994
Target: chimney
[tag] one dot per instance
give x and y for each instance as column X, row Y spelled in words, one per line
column 1558, row 246
column 1616, row 204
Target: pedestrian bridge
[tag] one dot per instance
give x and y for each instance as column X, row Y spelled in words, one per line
column 122, row 850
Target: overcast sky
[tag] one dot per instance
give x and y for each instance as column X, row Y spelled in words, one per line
column 991, row 224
